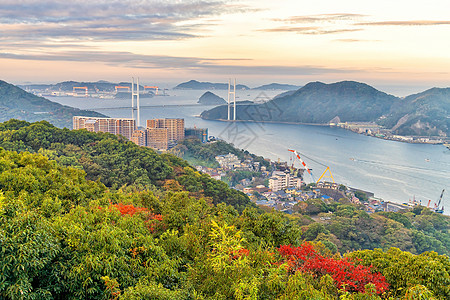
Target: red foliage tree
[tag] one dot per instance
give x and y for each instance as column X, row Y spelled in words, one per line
column 238, row 253
column 129, row 209
column 153, row 221
column 346, row 273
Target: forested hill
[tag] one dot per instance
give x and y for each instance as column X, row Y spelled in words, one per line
column 278, row 86
column 114, row 161
column 19, row 104
column 209, row 98
column 319, row 103
column 426, row 113
column 197, row 85
column 92, row 216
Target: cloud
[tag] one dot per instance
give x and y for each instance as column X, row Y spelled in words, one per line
column 115, row 58
column 405, row 23
column 339, row 23
column 139, row 61
column 309, row 30
column 318, row 24
column 105, row 20
column 354, row 40
column 321, row 18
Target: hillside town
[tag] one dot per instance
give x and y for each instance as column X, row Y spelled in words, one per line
column 279, row 186
column 282, row 187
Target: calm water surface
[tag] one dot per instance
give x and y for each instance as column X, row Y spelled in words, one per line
column 392, row 170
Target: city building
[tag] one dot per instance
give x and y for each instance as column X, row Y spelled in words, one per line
column 160, row 134
column 229, row 161
column 197, row 133
column 117, row 126
column 139, row 138
column 125, row 127
column 158, row 138
column 281, row 180
column 175, row 127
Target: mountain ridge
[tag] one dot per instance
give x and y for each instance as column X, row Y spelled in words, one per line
column 277, row 86
column 318, row 103
column 197, row 85
column 19, row 104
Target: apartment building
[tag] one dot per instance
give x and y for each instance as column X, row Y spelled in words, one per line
column 281, row 180
column 139, row 138
column 158, row 138
column 175, row 127
column 124, row 127
column 160, row 134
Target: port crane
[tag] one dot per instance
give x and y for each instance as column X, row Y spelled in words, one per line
column 327, row 168
column 121, row 88
column 436, row 206
column 76, row 93
column 155, row 88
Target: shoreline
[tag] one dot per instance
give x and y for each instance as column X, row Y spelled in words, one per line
column 271, row 122
column 445, row 143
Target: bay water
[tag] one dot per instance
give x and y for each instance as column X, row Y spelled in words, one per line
column 394, row 171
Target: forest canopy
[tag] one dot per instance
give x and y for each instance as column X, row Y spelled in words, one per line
column 92, row 216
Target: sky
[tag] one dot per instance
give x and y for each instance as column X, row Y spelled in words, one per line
column 401, row 44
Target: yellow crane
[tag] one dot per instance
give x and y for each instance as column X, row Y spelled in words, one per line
column 330, row 176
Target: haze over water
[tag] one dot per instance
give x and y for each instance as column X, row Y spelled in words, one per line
column 394, row 171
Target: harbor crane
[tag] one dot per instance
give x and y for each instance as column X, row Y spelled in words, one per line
column 155, row 88
column 327, row 168
column 436, row 206
column 76, row 93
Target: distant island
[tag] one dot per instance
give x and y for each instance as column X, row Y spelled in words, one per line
column 98, row 89
column 424, row 114
column 127, row 95
column 277, row 86
column 19, row 104
column 196, row 85
column 67, row 86
column 209, row 98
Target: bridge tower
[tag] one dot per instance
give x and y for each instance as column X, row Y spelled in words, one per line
column 135, row 104
column 232, row 96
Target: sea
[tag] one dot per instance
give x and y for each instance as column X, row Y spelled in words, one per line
column 394, row 171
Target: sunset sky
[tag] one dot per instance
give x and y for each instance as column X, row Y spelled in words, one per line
column 383, row 43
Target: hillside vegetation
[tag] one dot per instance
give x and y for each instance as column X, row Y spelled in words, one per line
column 18, row 104
column 92, row 216
column 426, row 113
